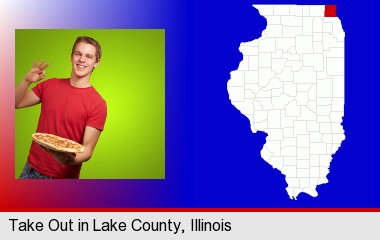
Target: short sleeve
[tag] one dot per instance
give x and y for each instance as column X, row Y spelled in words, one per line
column 39, row 89
column 98, row 115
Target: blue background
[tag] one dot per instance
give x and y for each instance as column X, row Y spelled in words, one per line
column 229, row 170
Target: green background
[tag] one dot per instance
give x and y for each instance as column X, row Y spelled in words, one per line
column 130, row 77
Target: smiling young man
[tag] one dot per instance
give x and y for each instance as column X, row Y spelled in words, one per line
column 70, row 108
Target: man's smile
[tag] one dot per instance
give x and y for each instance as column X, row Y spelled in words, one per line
column 81, row 66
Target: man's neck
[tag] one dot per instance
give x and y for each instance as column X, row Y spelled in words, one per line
column 80, row 82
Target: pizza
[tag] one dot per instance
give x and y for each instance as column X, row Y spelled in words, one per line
column 57, row 143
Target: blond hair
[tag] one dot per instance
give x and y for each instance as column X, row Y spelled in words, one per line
column 91, row 41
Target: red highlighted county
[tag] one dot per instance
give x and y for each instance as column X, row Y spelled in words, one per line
column 330, row 10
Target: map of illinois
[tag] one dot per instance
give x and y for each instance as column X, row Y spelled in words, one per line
column 290, row 85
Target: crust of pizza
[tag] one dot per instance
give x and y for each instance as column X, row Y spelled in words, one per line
column 57, row 143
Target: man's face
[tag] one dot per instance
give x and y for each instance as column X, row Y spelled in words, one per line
column 83, row 60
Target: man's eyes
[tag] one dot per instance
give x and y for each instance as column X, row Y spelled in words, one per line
column 87, row 56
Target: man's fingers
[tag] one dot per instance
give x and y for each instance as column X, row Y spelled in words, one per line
column 41, row 75
column 44, row 66
column 41, row 63
column 36, row 64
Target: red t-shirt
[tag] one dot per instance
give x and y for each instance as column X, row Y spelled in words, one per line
column 65, row 112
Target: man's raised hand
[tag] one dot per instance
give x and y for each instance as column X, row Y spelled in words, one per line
column 37, row 72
